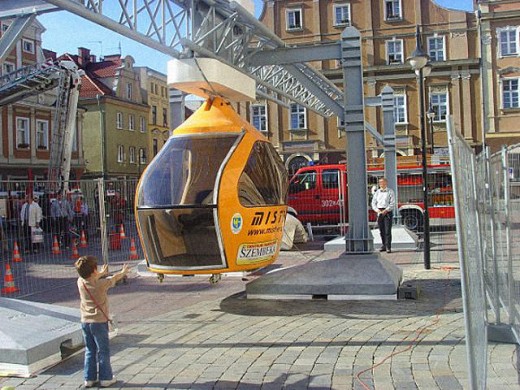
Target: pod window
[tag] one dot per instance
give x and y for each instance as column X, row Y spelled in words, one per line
column 264, row 179
column 185, row 171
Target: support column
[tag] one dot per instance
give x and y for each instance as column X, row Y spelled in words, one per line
column 177, row 112
column 358, row 239
column 387, row 101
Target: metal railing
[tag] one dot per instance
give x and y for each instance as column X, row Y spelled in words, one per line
column 319, row 196
column 501, row 252
column 467, row 191
column 97, row 219
column 487, row 200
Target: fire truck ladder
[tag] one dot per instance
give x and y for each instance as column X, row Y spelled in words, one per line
column 36, row 79
column 64, row 126
column 27, row 81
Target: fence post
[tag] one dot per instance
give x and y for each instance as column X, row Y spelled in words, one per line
column 507, row 202
column 103, row 220
column 492, row 216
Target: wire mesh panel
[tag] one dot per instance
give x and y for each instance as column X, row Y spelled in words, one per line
column 71, row 225
column 512, row 158
column 502, row 274
column 468, row 235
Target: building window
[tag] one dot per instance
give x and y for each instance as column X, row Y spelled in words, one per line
column 259, row 116
column 341, row 14
column 394, row 51
column 120, row 153
column 119, row 120
column 131, row 154
column 154, row 115
column 22, row 132
column 298, row 117
column 142, row 156
column 27, row 46
column 508, row 41
column 155, row 146
column 165, row 117
column 5, row 26
column 294, row 19
column 129, row 88
column 436, row 48
column 142, row 124
column 131, row 122
column 393, row 10
column 510, row 93
column 400, row 109
column 42, row 134
column 439, row 104
column 7, row 68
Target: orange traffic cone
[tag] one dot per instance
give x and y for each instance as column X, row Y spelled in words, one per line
column 133, row 250
column 16, row 253
column 56, row 247
column 122, row 232
column 83, row 240
column 9, row 286
column 75, row 254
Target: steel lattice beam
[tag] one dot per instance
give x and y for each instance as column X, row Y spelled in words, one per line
column 217, row 28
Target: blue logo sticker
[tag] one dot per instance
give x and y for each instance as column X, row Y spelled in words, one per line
column 236, row 223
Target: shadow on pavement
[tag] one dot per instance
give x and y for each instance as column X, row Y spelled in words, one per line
column 434, row 295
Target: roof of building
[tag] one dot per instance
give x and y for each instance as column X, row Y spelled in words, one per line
column 91, row 85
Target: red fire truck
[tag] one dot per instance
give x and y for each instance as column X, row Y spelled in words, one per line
column 319, row 194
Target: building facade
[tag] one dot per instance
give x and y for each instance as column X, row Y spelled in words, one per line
column 154, row 91
column 499, row 28
column 26, row 125
column 388, row 34
column 115, row 133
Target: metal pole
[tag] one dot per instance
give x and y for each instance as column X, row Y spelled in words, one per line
column 103, row 220
column 387, row 102
column 433, row 141
column 426, row 215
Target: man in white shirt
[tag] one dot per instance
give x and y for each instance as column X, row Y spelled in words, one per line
column 383, row 204
column 31, row 217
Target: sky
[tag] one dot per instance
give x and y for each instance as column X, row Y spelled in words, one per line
column 65, row 32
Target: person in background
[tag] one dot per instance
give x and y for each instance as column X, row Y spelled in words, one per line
column 383, row 203
column 95, row 315
column 61, row 214
column 31, row 217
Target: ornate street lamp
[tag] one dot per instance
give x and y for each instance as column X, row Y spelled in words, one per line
column 419, row 63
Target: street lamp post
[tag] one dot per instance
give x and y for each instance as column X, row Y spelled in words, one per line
column 419, row 63
column 431, row 114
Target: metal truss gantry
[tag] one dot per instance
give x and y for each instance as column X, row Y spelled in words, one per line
column 219, row 29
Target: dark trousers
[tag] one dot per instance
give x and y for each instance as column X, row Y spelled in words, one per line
column 61, row 228
column 384, row 222
column 27, row 239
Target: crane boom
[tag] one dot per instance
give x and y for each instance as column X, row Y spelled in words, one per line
column 36, row 79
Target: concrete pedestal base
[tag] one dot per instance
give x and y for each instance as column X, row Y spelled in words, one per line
column 34, row 335
column 347, row 277
column 402, row 239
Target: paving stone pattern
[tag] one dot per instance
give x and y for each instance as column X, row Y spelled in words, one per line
column 210, row 340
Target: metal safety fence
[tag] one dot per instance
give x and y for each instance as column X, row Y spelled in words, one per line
column 94, row 217
column 319, row 195
column 501, row 251
column 467, row 191
column 487, row 200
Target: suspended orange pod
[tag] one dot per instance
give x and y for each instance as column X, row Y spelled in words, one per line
column 213, row 200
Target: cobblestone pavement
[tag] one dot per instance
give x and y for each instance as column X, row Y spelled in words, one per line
column 188, row 334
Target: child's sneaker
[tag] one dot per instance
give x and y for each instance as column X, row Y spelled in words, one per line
column 108, row 382
column 90, row 383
